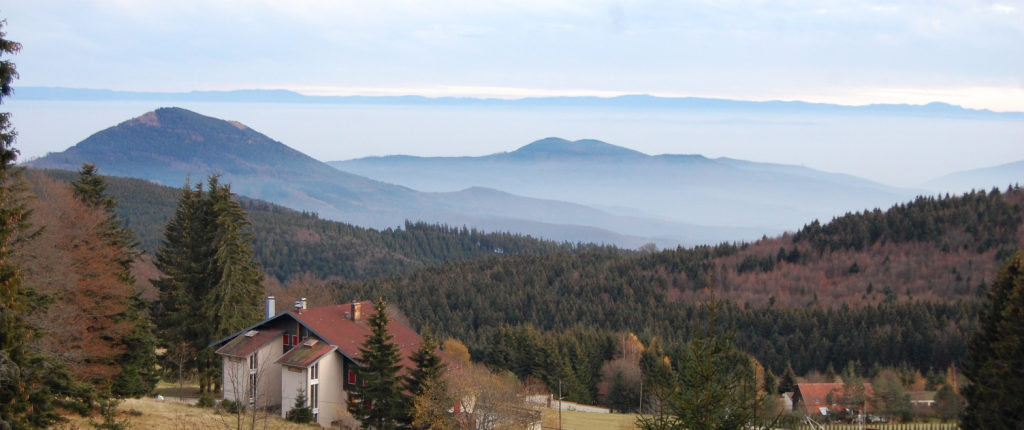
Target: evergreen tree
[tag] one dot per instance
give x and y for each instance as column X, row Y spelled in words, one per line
column 210, row 285
column 300, row 411
column 425, row 380
column 947, row 403
column 996, row 355
column 770, row 382
column 717, row 385
column 659, row 383
column 788, row 382
column 32, row 386
column 139, row 369
column 379, row 402
column 428, row 366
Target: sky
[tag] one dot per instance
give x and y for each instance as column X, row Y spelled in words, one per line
column 964, row 52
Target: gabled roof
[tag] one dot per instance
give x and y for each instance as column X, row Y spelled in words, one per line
column 248, row 342
column 814, row 396
column 306, row 354
column 334, row 325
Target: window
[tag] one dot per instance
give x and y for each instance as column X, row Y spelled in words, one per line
column 253, row 386
column 287, row 339
column 314, row 396
column 254, row 363
column 314, row 372
column 295, row 340
column 352, row 377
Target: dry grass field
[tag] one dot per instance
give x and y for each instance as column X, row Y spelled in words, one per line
column 149, row 413
column 588, row 420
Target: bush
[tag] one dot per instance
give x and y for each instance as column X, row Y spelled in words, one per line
column 206, row 401
column 231, row 406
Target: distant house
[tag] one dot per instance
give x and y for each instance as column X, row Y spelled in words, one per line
column 310, row 350
column 922, row 398
column 825, row 399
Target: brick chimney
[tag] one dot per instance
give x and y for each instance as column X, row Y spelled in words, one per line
column 356, row 311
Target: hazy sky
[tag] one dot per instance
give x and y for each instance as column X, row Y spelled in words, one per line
column 965, row 52
column 962, row 52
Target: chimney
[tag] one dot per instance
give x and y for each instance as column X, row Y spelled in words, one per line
column 298, row 307
column 356, row 307
column 270, row 307
column 303, row 303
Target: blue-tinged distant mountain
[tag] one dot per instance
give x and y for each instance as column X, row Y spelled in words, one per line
column 633, row 101
column 979, row 179
column 172, row 145
column 679, row 188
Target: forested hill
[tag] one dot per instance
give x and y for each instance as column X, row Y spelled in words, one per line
column 902, row 294
column 290, row 243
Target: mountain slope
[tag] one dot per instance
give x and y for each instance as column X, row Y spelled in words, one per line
column 289, row 243
column 680, row 188
column 887, row 287
column 979, row 179
column 171, row 145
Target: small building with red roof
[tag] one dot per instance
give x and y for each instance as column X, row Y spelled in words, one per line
column 310, row 350
column 824, row 398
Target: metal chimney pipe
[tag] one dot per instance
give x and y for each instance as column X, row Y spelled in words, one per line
column 270, row 307
column 304, row 303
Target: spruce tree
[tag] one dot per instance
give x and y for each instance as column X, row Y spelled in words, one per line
column 210, row 285
column 428, row 373
column 139, row 368
column 788, row 382
column 996, row 355
column 379, row 402
column 300, row 411
column 32, row 386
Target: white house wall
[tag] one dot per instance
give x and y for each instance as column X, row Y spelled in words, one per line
column 233, row 369
column 333, row 399
column 292, row 379
column 332, row 405
column 235, row 377
column 270, row 378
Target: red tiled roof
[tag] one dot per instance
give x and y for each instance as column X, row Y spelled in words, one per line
column 335, row 325
column 244, row 345
column 814, row 396
column 305, row 354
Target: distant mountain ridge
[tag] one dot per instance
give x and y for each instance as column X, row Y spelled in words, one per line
column 632, row 101
column 979, row 179
column 173, row 145
column 690, row 189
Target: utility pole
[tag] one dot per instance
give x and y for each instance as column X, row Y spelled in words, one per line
column 559, row 404
column 641, row 409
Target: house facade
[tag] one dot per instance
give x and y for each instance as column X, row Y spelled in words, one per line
column 313, row 351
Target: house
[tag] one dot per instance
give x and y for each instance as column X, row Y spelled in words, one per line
column 922, row 398
column 823, row 399
column 314, row 351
